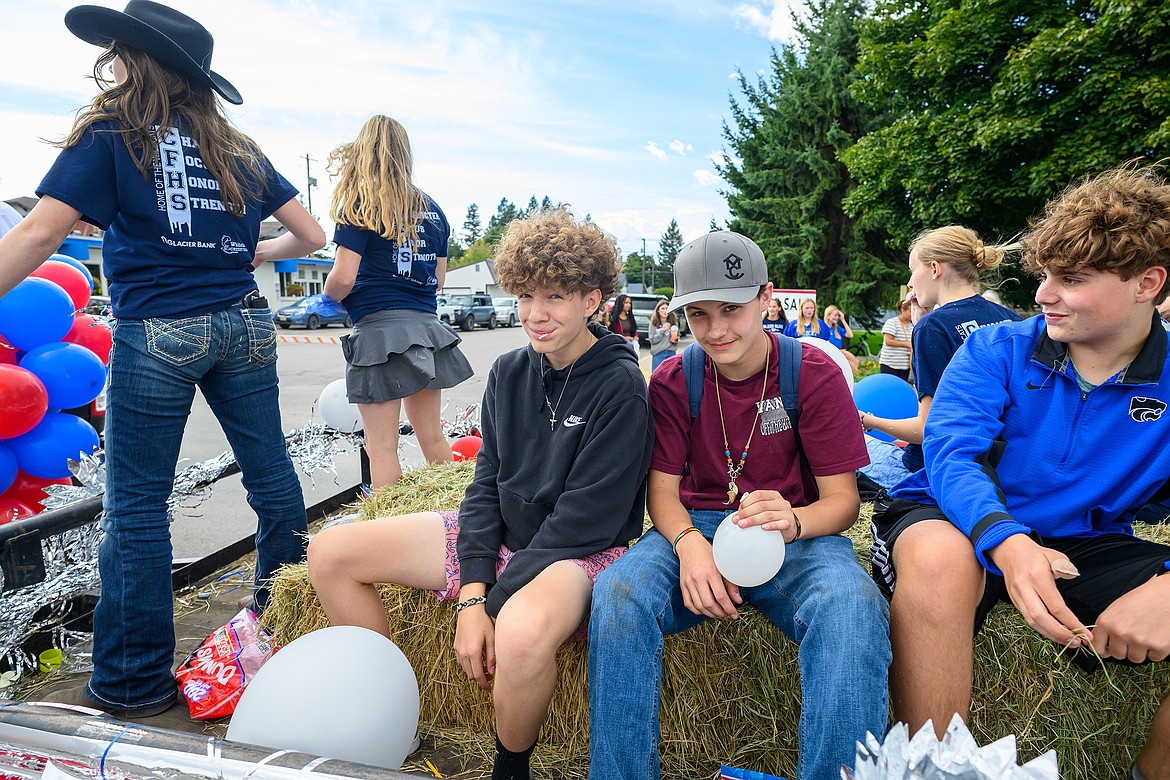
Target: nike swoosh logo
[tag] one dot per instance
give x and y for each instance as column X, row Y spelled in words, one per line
column 573, row 423
column 1031, row 386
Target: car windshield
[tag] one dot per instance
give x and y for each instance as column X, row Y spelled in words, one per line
column 644, row 304
column 460, row 300
column 501, row 301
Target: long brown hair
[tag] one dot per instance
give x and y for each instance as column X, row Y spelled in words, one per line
column 375, row 190
column 151, row 100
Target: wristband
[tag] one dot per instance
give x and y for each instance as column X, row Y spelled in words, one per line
column 681, row 534
column 796, row 520
column 471, row 602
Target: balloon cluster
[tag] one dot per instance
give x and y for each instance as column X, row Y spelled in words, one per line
column 52, row 357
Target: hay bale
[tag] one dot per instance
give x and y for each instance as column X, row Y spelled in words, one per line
column 729, row 695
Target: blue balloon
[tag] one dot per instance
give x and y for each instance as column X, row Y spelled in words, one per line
column 72, row 374
column 35, row 312
column 80, row 266
column 8, row 467
column 44, row 451
column 885, row 395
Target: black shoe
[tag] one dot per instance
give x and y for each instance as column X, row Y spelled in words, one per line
column 77, row 696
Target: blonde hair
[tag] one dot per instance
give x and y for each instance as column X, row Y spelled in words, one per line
column 961, row 249
column 551, row 249
column 374, row 189
column 801, row 322
column 150, row 101
column 657, row 321
column 829, row 310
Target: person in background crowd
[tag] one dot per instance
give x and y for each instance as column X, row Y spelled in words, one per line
column 774, row 319
column 391, row 258
column 179, row 256
column 622, row 322
column 663, row 334
column 807, row 323
column 840, row 334
column 896, row 347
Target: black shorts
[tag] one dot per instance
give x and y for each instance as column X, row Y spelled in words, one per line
column 1110, row 566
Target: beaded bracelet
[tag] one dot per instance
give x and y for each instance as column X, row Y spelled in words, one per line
column 681, row 534
column 471, row 602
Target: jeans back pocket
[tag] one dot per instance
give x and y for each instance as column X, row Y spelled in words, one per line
column 179, row 341
column 261, row 335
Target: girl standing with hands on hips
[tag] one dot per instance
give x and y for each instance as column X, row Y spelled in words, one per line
column 391, row 259
column 180, row 193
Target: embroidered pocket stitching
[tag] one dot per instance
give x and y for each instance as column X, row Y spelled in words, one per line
column 166, row 338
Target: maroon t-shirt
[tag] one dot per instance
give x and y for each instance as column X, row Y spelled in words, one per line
column 830, row 431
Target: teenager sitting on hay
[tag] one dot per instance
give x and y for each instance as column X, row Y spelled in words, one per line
column 547, row 510
column 1017, row 501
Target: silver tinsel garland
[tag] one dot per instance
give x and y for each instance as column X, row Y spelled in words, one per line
column 71, row 557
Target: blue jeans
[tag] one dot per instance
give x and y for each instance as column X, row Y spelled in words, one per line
column 658, row 358
column 821, row 599
column 154, row 369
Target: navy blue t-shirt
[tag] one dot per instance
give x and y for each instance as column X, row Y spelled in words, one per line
column 936, row 338
column 171, row 248
column 393, row 277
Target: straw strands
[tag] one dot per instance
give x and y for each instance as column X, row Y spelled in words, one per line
column 731, row 691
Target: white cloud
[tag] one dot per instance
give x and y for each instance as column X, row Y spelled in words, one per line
column 771, row 19
column 706, row 178
column 655, row 150
column 680, row 148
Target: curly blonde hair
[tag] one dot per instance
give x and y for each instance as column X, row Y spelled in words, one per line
column 1117, row 221
column 960, row 248
column 552, row 249
column 374, row 189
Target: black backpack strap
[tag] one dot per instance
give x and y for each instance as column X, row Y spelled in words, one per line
column 693, row 358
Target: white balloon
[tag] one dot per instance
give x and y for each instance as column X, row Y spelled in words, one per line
column 747, row 556
column 832, row 351
column 336, row 410
column 342, row 692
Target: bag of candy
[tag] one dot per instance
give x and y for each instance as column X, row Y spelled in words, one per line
column 215, row 675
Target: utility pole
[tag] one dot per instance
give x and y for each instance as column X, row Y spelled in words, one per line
column 643, row 264
column 312, row 182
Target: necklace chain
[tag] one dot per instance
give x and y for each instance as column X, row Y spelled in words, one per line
column 552, row 420
column 733, row 470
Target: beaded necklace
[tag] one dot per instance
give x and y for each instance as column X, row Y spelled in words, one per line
column 733, row 471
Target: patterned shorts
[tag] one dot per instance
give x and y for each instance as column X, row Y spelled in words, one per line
column 592, row 566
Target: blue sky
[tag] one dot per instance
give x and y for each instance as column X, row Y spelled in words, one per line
column 614, row 107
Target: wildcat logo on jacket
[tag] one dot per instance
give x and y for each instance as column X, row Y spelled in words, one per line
column 1143, row 409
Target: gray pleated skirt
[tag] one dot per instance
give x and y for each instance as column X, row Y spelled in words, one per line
column 394, row 354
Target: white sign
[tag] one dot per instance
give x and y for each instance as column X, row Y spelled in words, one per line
column 790, row 301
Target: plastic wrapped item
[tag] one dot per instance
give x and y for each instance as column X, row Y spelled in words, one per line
column 956, row 757
column 215, row 675
column 733, row 773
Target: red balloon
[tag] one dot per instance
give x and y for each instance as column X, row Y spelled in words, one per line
column 12, row 509
column 71, row 280
column 466, row 447
column 31, row 490
column 7, row 352
column 91, row 333
column 23, row 401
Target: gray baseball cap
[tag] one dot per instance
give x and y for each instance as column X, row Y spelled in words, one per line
column 720, row 266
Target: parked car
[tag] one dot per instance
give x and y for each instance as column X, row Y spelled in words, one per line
column 471, row 310
column 93, row 413
column 445, row 311
column 507, row 310
column 313, row 312
column 644, row 304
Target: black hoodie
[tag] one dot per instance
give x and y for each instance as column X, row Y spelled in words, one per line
column 555, row 494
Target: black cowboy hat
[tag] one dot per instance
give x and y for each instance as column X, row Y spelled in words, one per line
column 165, row 34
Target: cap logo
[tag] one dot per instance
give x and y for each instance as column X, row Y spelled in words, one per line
column 734, row 267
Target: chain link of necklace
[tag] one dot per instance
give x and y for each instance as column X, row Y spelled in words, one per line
column 733, row 471
column 552, row 420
